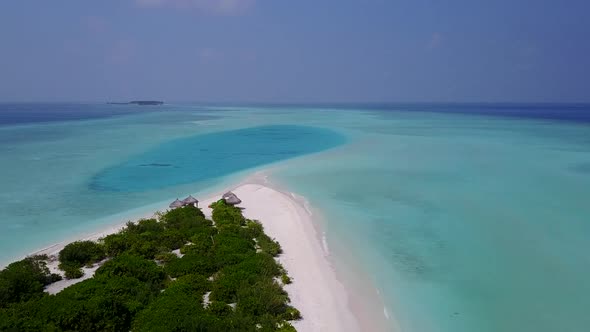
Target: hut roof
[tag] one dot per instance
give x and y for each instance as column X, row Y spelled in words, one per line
column 228, row 194
column 176, row 204
column 190, row 200
column 232, row 199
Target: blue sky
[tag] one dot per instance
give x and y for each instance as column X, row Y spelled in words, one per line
column 295, row 51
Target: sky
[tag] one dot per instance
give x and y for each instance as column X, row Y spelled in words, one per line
column 305, row 51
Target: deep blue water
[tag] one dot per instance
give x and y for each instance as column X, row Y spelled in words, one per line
column 564, row 112
column 22, row 113
column 575, row 112
column 210, row 156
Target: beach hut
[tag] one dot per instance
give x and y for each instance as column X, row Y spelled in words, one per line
column 231, row 198
column 190, row 200
column 176, row 204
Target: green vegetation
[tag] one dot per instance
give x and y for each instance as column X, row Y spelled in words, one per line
column 24, row 280
column 268, row 245
column 81, row 253
column 285, row 279
column 71, row 271
column 143, row 286
column 77, row 254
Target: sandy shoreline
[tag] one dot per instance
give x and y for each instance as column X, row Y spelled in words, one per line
column 315, row 291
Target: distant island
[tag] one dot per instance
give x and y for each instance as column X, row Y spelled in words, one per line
column 138, row 102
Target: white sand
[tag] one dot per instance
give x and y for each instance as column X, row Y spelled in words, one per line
column 316, row 292
column 53, row 262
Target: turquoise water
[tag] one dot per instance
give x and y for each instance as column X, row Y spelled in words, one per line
column 462, row 223
column 466, row 223
column 66, row 178
column 210, row 156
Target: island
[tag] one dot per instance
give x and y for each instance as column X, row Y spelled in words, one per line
column 246, row 260
column 178, row 271
column 139, row 102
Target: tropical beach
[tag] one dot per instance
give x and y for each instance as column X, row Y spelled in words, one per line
column 316, row 291
column 272, row 166
column 394, row 241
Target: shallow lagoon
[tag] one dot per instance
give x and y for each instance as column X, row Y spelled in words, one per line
column 466, row 223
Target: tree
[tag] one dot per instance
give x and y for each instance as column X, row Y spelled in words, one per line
column 126, row 265
column 81, row 253
column 130, row 291
column 24, row 279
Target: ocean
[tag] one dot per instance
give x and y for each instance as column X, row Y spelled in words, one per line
column 459, row 217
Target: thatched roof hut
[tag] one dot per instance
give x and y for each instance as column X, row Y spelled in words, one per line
column 231, row 198
column 176, row 204
column 190, row 200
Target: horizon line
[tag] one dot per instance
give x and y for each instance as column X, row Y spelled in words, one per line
column 312, row 103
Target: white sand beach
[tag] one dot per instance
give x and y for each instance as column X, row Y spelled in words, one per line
column 315, row 291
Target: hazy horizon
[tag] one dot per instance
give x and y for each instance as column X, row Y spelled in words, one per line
column 305, row 103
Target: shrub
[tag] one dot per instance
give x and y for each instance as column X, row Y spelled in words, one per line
column 166, row 257
column 231, row 248
column 190, row 264
column 191, row 284
column 171, row 239
column 219, row 309
column 143, row 248
column 291, row 314
column 286, row 327
column 173, row 311
column 145, row 227
column 24, row 279
column 269, row 246
column 225, row 214
column 132, row 266
column 150, row 237
column 264, row 297
column 31, row 315
column 54, row 277
column 202, row 242
column 185, row 218
column 255, row 228
column 80, row 253
column 115, row 244
column 285, row 279
column 235, row 277
column 98, row 304
column 71, row 271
